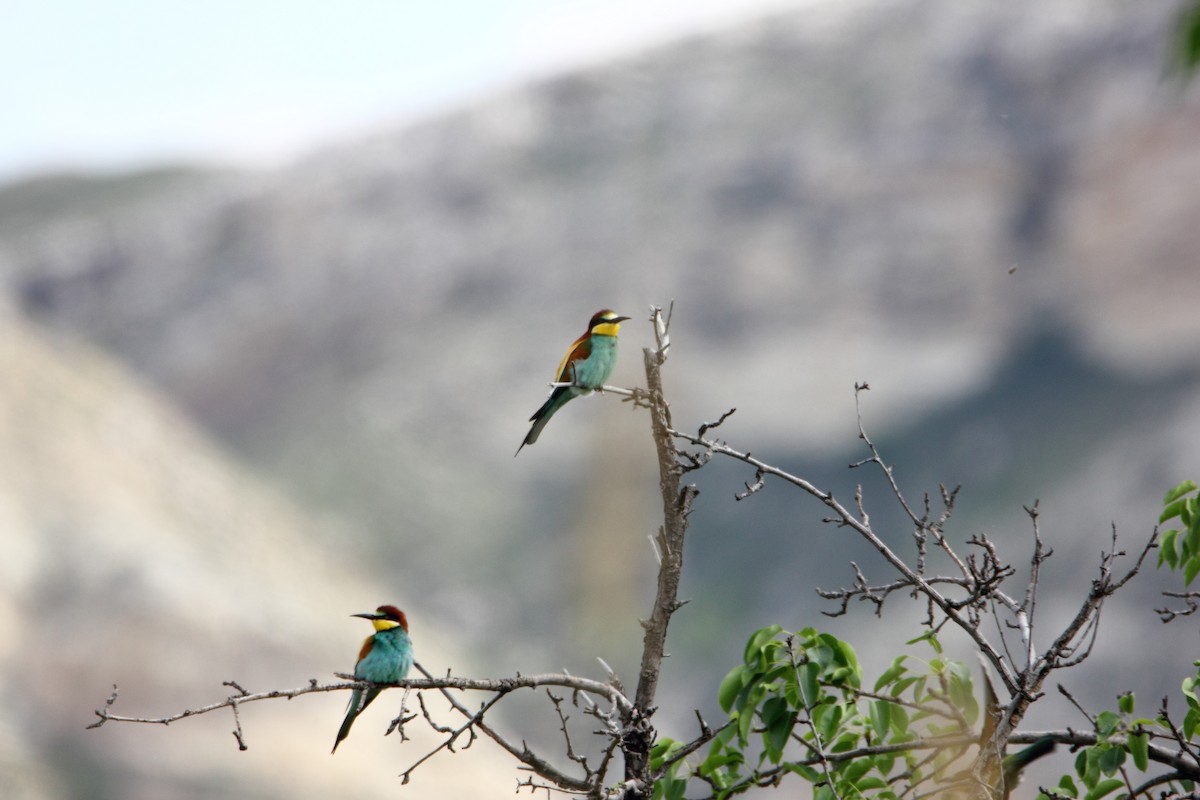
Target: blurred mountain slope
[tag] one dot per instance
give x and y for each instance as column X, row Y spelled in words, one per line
column 937, row 198
column 842, row 190
column 136, row 554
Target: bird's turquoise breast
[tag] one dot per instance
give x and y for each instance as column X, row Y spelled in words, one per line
column 593, row 371
column 389, row 660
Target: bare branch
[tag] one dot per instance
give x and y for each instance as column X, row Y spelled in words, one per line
column 1078, row 707
column 706, row 735
column 662, row 328
column 707, row 426
column 1185, row 746
column 448, row 742
column 1191, row 606
column 237, row 730
column 677, row 501
column 106, row 716
column 759, row 478
column 501, row 686
column 103, row 713
column 844, row 518
column 522, row 753
column 562, row 726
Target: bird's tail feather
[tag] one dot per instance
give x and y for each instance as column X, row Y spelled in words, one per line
column 352, row 710
column 554, row 402
column 358, row 701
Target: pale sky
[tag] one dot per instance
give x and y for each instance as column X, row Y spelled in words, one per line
column 122, row 83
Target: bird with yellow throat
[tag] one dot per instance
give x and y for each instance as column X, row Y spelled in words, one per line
column 386, row 657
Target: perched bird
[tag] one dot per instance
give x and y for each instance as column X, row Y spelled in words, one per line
column 586, row 367
column 1012, row 765
column 386, row 657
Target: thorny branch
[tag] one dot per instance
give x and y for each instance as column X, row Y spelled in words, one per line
column 454, row 733
column 627, row 725
column 501, row 685
column 1191, row 606
column 676, row 502
column 522, row 753
column 845, row 518
column 963, row 599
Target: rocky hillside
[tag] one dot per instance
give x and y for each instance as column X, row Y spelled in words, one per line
column 136, row 554
column 986, row 210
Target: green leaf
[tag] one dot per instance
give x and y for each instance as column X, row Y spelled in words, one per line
column 1067, row 786
column 722, row 738
column 893, row 672
column 1087, row 768
column 845, row 651
column 899, row 716
column 841, row 676
column 673, row 788
column 1171, row 511
column 662, row 750
column 745, row 721
column 855, row 769
column 847, row 741
column 1168, row 550
column 961, row 692
column 1178, row 492
column 810, row 774
column 1139, row 748
column 881, row 717
column 1106, row 723
column 1190, row 722
column 809, row 686
column 1189, row 545
column 1189, row 572
column 757, row 640
column 1104, row 787
column 931, row 637
column 1125, row 703
column 778, row 720
column 731, row 684
column 1111, row 759
column 867, row 784
column 716, row 761
column 779, row 676
column 826, row 719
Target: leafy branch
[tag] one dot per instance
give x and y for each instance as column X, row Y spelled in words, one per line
column 798, row 703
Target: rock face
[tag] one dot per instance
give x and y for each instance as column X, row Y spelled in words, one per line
column 808, row 177
column 136, row 554
column 939, row 198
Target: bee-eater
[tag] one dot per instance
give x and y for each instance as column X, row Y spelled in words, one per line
column 1012, row 765
column 586, row 366
column 386, row 657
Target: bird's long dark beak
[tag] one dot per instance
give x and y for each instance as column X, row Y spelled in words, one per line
column 619, row 319
column 372, row 615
